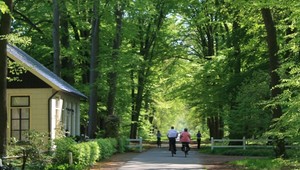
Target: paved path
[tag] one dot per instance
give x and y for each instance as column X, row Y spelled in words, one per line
column 161, row 158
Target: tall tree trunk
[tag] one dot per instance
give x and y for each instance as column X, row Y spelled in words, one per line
column 145, row 50
column 67, row 65
column 5, row 23
column 93, row 115
column 215, row 125
column 275, row 79
column 56, row 48
column 214, row 120
column 112, row 79
column 113, row 75
column 235, row 42
column 132, row 129
column 137, row 105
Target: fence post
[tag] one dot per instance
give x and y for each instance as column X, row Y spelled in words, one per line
column 244, row 142
column 70, row 158
column 212, row 143
column 141, row 144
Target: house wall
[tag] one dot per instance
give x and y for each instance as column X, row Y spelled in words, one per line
column 64, row 109
column 38, row 107
column 65, row 119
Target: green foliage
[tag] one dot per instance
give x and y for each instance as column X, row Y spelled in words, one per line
column 186, row 83
column 84, row 154
column 286, row 125
column 266, row 160
column 62, row 148
column 14, row 70
column 249, row 118
column 122, row 141
column 34, row 148
column 108, row 147
column 266, row 163
column 240, row 152
column 3, row 7
column 66, row 167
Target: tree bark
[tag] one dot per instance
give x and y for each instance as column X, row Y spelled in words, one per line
column 67, row 64
column 56, row 48
column 5, row 23
column 273, row 66
column 113, row 75
column 235, row 42
column 93, row 115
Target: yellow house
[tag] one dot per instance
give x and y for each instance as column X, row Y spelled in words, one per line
column 40, row 100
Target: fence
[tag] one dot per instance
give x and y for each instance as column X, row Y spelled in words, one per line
column 136, row 143
column 246, row 143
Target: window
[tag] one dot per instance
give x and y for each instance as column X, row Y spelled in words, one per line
column 20, row 116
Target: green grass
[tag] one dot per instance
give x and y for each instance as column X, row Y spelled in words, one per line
column 267, row 164
column 266, row 160
column 238, row 151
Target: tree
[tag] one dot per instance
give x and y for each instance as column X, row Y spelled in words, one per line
column 275, row 79
column 5, row 23
column 93, row 114
column 67, row 61
column 112, row 120
column 149, row 26
column 56, row 46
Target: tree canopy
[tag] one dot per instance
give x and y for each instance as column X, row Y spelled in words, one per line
column 228, row 68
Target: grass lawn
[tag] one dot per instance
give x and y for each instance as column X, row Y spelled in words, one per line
column 265, row 158
column 267, row 164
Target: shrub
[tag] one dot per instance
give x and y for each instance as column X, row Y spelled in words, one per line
column 122, row 142
column 63, row 147
column 81, row 154
column 107, row 146
column 95, row 152
column 84, row 154
column 34, row 149
column 65, row 167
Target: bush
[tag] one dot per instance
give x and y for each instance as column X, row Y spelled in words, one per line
column 65, row 167
column 63, row 147
column 108, row 147
column 122, row 142
column 95, row 152
column 34, row 150
column 84, row 154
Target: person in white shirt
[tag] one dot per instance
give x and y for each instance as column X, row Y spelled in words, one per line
column 172, row 135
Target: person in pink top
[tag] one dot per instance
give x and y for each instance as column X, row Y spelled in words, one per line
column 185, row 138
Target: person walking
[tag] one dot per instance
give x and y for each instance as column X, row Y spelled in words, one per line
column 158, row 137
column 198, row 139
column 172, row 135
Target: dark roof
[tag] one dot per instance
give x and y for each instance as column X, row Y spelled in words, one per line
column 41, row 71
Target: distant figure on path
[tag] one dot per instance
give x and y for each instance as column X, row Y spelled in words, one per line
column 158, row 137
column 198, row 139
column 172, row 135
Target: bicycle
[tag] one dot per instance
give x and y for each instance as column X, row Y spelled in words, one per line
column 185, row 149
column 172, row 149
column 159, row 143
